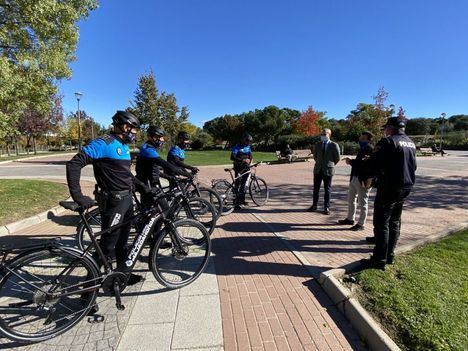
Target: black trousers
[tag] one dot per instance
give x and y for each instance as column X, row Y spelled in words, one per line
column 327, row 182
column 388, row 206
column 115, row 211
column 240, row 183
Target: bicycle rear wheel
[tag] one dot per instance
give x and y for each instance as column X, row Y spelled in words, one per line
column 27, row 312
column 225, row 190
column 258, row 190
column 180, row 254
column 82, row 237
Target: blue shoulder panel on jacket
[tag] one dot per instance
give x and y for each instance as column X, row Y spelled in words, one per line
column 104, row 148
column 148, row 151
column 177, row 152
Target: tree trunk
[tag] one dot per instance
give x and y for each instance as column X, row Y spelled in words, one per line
column 34, row 145
column 8, row 150
column 16, row 148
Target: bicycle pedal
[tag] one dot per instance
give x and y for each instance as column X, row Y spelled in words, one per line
column 119, row 306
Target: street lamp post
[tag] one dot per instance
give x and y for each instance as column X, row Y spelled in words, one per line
column 442, row 132
column 78, row 96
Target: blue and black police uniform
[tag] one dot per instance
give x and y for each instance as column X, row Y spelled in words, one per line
column 176, row 157
column 110, row 157
column 394, row 162
column 147, row 169
column 240, row 153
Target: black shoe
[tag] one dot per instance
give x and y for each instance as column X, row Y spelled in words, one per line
column 237, row 207
column 93, row 310
column 312, row 208
column 371, row 263
column 326, row 211
column 134, row 279
column 390, row 259
column 370, row 239
column 357, row 227
column 346, row 221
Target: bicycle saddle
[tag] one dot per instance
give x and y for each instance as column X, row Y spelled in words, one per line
column 70, row 205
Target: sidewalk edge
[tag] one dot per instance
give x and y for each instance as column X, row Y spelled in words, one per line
column 9, row 228
column 36, row 156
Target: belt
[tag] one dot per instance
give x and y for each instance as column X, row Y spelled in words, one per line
column 116, row 194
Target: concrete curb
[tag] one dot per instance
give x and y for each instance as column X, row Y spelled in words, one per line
column 34, row 157
column 36, row 219
column 360, row 319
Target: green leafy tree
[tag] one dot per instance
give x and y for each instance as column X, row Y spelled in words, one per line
column 154, row 108
column 37, row 42
column 369, row 117
column 146, row 104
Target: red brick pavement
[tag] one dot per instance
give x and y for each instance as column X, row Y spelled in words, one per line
column 268, row 299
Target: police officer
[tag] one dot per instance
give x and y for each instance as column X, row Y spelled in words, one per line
column 110, row 157
column 241, row 155
column 149, row 161
column 176, row 155
column 394, row 162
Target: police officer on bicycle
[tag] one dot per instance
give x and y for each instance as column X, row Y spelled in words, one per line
column 110, row 157
column 241, row 155
column 394, row 162
column 176, row 155
column 149, row 161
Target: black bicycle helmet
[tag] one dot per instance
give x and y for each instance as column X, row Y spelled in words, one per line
column 124, row 117
column 183, row 136
column 247, row 137
column 155, row 131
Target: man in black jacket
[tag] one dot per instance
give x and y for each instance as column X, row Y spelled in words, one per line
column 110, row 157
column 359, row 183
column 149, row 161
column 394, row 162
column 241, row 157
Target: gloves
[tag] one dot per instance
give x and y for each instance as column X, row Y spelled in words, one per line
column 195, row 170
column 85, row 202
column 183, row 173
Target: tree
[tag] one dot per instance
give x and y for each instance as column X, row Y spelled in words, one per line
column 225, row 128
column 459, row 122
column 266, row 124
column 33, row 123
column 146, row 102
column 37, row 42
column 369, row 117
column 154, row 108
column 307, row 124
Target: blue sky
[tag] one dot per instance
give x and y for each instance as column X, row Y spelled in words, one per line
column 230, row 56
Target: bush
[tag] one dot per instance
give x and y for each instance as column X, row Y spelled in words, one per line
column 349, row 147
column 202, row 140
column 295, row 141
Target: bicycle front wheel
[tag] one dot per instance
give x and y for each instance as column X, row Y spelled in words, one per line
column 180, row 254
column 258, row 190
column 42, row 294
column 228, row 196
column 200, row 210
column 210, row 195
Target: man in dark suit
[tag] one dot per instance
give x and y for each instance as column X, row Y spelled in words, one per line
column 326, row 156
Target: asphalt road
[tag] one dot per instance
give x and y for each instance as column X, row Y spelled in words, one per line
column 455, row 164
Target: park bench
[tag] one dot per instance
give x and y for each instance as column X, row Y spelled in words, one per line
column 427, row 151
column 298, row 155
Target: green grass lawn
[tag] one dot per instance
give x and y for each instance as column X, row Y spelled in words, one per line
column 23, row 198
column 219, row 157
column 422, row 301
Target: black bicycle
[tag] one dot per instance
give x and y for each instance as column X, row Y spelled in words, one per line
column 191, row 187
column 46, row 289
column 258, row 188
column 195, row 208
